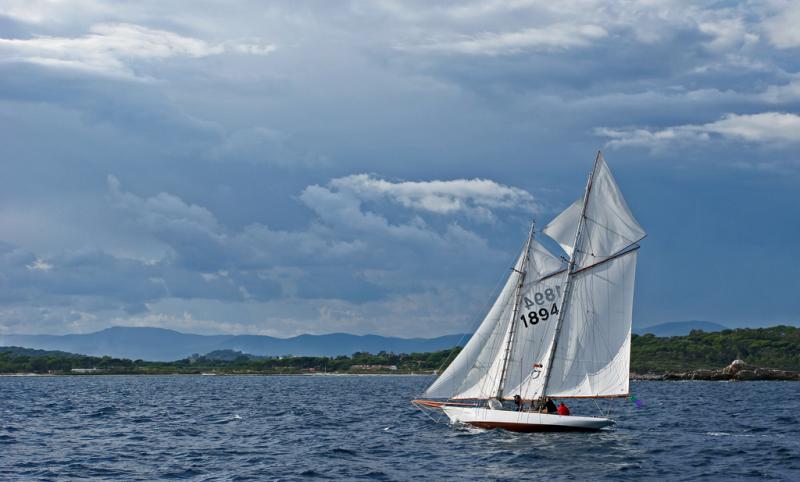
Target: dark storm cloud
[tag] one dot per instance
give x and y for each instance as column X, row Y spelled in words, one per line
column 373, row 165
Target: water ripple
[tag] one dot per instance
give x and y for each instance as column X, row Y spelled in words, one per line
column 287, row 428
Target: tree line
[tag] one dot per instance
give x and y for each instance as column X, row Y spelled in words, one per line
column 775, row 347
column 25, row 360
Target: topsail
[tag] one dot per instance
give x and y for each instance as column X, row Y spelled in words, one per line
column 609, row 227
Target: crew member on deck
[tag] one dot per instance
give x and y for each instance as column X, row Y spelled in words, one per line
column 562, row 409
column 549, row 406
column 518, row 402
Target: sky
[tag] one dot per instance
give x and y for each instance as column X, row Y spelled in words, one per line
column 295, row 167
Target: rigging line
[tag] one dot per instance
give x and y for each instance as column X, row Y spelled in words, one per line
column 610, row 258
column 488, row 377
column 475, row 324
column 494, row 349
column 598, row 223
column 631, row 247
column 517, row 301
column 555, row 273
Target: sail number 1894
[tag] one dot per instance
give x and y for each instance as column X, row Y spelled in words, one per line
column 545, row 298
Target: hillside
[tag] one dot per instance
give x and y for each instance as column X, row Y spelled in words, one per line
column 774, row 347
column 158, row 344
column 24, row 360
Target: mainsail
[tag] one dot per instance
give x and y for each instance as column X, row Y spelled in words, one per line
column 555, row 331
column 593, row 354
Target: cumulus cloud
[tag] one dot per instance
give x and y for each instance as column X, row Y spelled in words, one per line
column 109, row 49
column 768, row 127
column 475, row 197
column 343, row 209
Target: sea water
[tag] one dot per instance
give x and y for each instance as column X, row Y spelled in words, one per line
column 363, row 427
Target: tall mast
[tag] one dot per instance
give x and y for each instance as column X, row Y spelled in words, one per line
column 512, row 325
column 570, row 272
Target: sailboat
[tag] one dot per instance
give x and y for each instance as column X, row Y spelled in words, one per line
column 560, row 327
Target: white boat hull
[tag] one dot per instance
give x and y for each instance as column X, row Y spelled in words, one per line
column 523, row 421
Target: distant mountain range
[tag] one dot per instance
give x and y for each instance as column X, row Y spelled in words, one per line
column 681, row 328
column 159, row 344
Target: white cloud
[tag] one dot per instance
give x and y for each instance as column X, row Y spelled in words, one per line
column 44, row 11
column 39, row 265
column 768, row 127
column 782, row 27
column 110, row 48
column 727, row 34
column 557, row 36
column 475, row 197
column 764, row 127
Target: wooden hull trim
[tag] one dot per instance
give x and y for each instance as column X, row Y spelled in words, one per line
column 435, row 404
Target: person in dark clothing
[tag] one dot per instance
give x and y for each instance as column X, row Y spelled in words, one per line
column 549, row 406
column 563, row 409
column 518, row 402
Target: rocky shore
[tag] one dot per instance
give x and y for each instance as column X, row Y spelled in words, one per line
column 737, row 370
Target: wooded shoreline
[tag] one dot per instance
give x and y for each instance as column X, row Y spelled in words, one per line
column 762, row 354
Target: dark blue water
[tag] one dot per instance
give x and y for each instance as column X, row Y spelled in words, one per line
column 289, row 428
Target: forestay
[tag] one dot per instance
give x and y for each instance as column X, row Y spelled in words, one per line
column 462, row 379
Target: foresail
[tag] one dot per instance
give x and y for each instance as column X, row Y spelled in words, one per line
column 466, row 376
column 476, row 372
column 593, row 352
column 609, row 224
column 534, row 339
